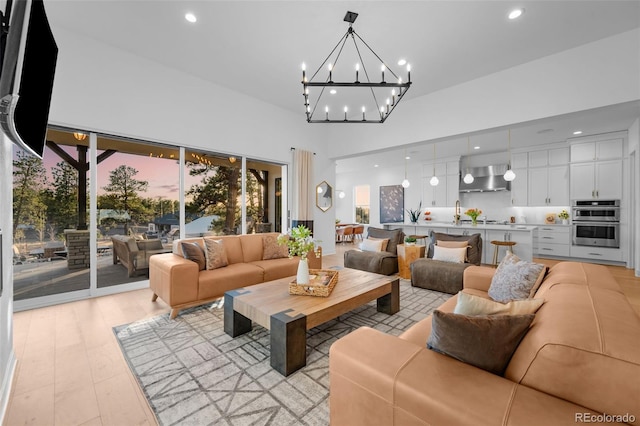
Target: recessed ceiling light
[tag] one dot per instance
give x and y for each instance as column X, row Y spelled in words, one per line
column 407, row 158
column 333, row 91
column 190, row 17
column 476, row 147
column 375, row 165
column 402, row 62
column 577, row 132
column 544, row 131
column 516, row 13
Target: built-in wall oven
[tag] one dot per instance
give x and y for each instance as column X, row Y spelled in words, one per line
column 596, row 223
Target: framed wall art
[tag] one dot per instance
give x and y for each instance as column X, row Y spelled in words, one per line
column 392, row 204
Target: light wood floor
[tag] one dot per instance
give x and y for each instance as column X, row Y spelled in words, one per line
column 71, row 370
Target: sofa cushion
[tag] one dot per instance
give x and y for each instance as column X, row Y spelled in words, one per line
column 213, row 283
column 395, row 237
column 486, row 341
column 193, row 252
column 474, row 250
column 515, row 279
column 453, row 255
column 385, row 242
column 274, row 269
column 468, row 304
column 372, row 244
column 271, row 249
column 215, row 253
column 381, row 262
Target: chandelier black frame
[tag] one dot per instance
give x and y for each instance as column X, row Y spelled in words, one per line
column 382, row 110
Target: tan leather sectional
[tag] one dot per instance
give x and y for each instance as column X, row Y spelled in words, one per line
column 578, row 363
column 180, row 284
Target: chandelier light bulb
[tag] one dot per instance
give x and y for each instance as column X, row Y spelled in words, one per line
column 434, row 181
column 357, row 67
column 346, row 109
column 468, row 178
column 330, row 67
column 326, row 109
column 304, row 67
column 406, row 183
column 509, row 175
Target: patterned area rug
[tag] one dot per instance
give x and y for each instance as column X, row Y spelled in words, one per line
column 193, row 373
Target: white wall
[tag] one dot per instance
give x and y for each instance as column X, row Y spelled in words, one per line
column 597, row 74
column 7, row 356
column 634, row 148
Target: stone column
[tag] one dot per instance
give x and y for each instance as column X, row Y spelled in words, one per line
column 78, row 255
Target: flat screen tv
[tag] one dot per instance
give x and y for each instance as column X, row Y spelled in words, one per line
column 29, row 55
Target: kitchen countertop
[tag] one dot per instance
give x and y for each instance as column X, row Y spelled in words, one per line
column 489, row 226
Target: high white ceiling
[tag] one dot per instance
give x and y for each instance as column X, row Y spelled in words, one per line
column 257, row 47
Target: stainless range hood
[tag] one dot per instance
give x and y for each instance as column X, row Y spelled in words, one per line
column 485, row 179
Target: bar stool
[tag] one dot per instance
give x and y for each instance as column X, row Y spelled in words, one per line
column 497, row 244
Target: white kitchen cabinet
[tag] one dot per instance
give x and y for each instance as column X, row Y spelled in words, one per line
column 445, row 193
column 548, row 186
column 523, row 248
column 597, row 253
column 606, row 149
column 553, row 241
column 596, row 180
column 519, row 190
column 519, row 160
column 551, row 157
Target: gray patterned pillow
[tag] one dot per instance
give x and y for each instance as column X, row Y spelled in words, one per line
column 514, row 279
column 215, row 253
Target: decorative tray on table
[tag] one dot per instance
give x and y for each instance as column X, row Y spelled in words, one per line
column 321, row 283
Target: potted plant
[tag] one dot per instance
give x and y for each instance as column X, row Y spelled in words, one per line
column 564, row 215
column 300, row 243
column 414, row 215
column 410, row 240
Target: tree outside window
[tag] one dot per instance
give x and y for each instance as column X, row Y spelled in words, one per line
column 362, row 203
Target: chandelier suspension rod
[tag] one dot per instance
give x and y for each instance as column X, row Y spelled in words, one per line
column 343, row 39
column 376, row 55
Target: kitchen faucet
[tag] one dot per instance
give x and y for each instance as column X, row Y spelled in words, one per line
column 457, row 215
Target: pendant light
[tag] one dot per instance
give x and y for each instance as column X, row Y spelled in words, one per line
column 434, row 179
column 405, row 182
column 468, row 178
column 509, row 175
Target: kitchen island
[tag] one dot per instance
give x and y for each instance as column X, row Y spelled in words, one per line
column 522, row 234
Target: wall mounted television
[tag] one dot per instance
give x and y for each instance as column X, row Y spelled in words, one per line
column 29, row 55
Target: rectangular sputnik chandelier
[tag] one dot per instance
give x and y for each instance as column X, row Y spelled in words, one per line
column 360, row 97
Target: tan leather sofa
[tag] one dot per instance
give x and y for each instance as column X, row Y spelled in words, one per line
column 134, row 254
column 579, row 359
column 180, row 283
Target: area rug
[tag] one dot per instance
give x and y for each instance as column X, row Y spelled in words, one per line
column 192, row 373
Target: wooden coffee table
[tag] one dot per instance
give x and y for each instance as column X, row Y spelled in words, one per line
column 288, row 317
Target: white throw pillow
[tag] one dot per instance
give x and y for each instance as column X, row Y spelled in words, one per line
column 445, row 254
column 469, row 304
column 371, row 245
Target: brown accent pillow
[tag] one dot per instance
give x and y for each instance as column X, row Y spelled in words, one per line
column 215, row 253
column 194, row 253
column 271, row 249
column 486, row 341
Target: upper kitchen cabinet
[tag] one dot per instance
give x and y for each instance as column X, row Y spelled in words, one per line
column 519, row 190
column 549, row 157
column 445, row 193
column 548, row 186
column 596, row 167
column 605, row 149
column 596, row 180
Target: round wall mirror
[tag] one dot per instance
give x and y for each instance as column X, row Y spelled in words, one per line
column 324, row 196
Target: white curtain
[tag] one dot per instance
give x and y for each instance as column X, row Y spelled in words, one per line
column 303, row 187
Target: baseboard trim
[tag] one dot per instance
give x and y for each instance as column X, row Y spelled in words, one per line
column 5, row 390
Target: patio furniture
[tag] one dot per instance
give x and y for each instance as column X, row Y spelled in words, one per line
column 134, row 255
